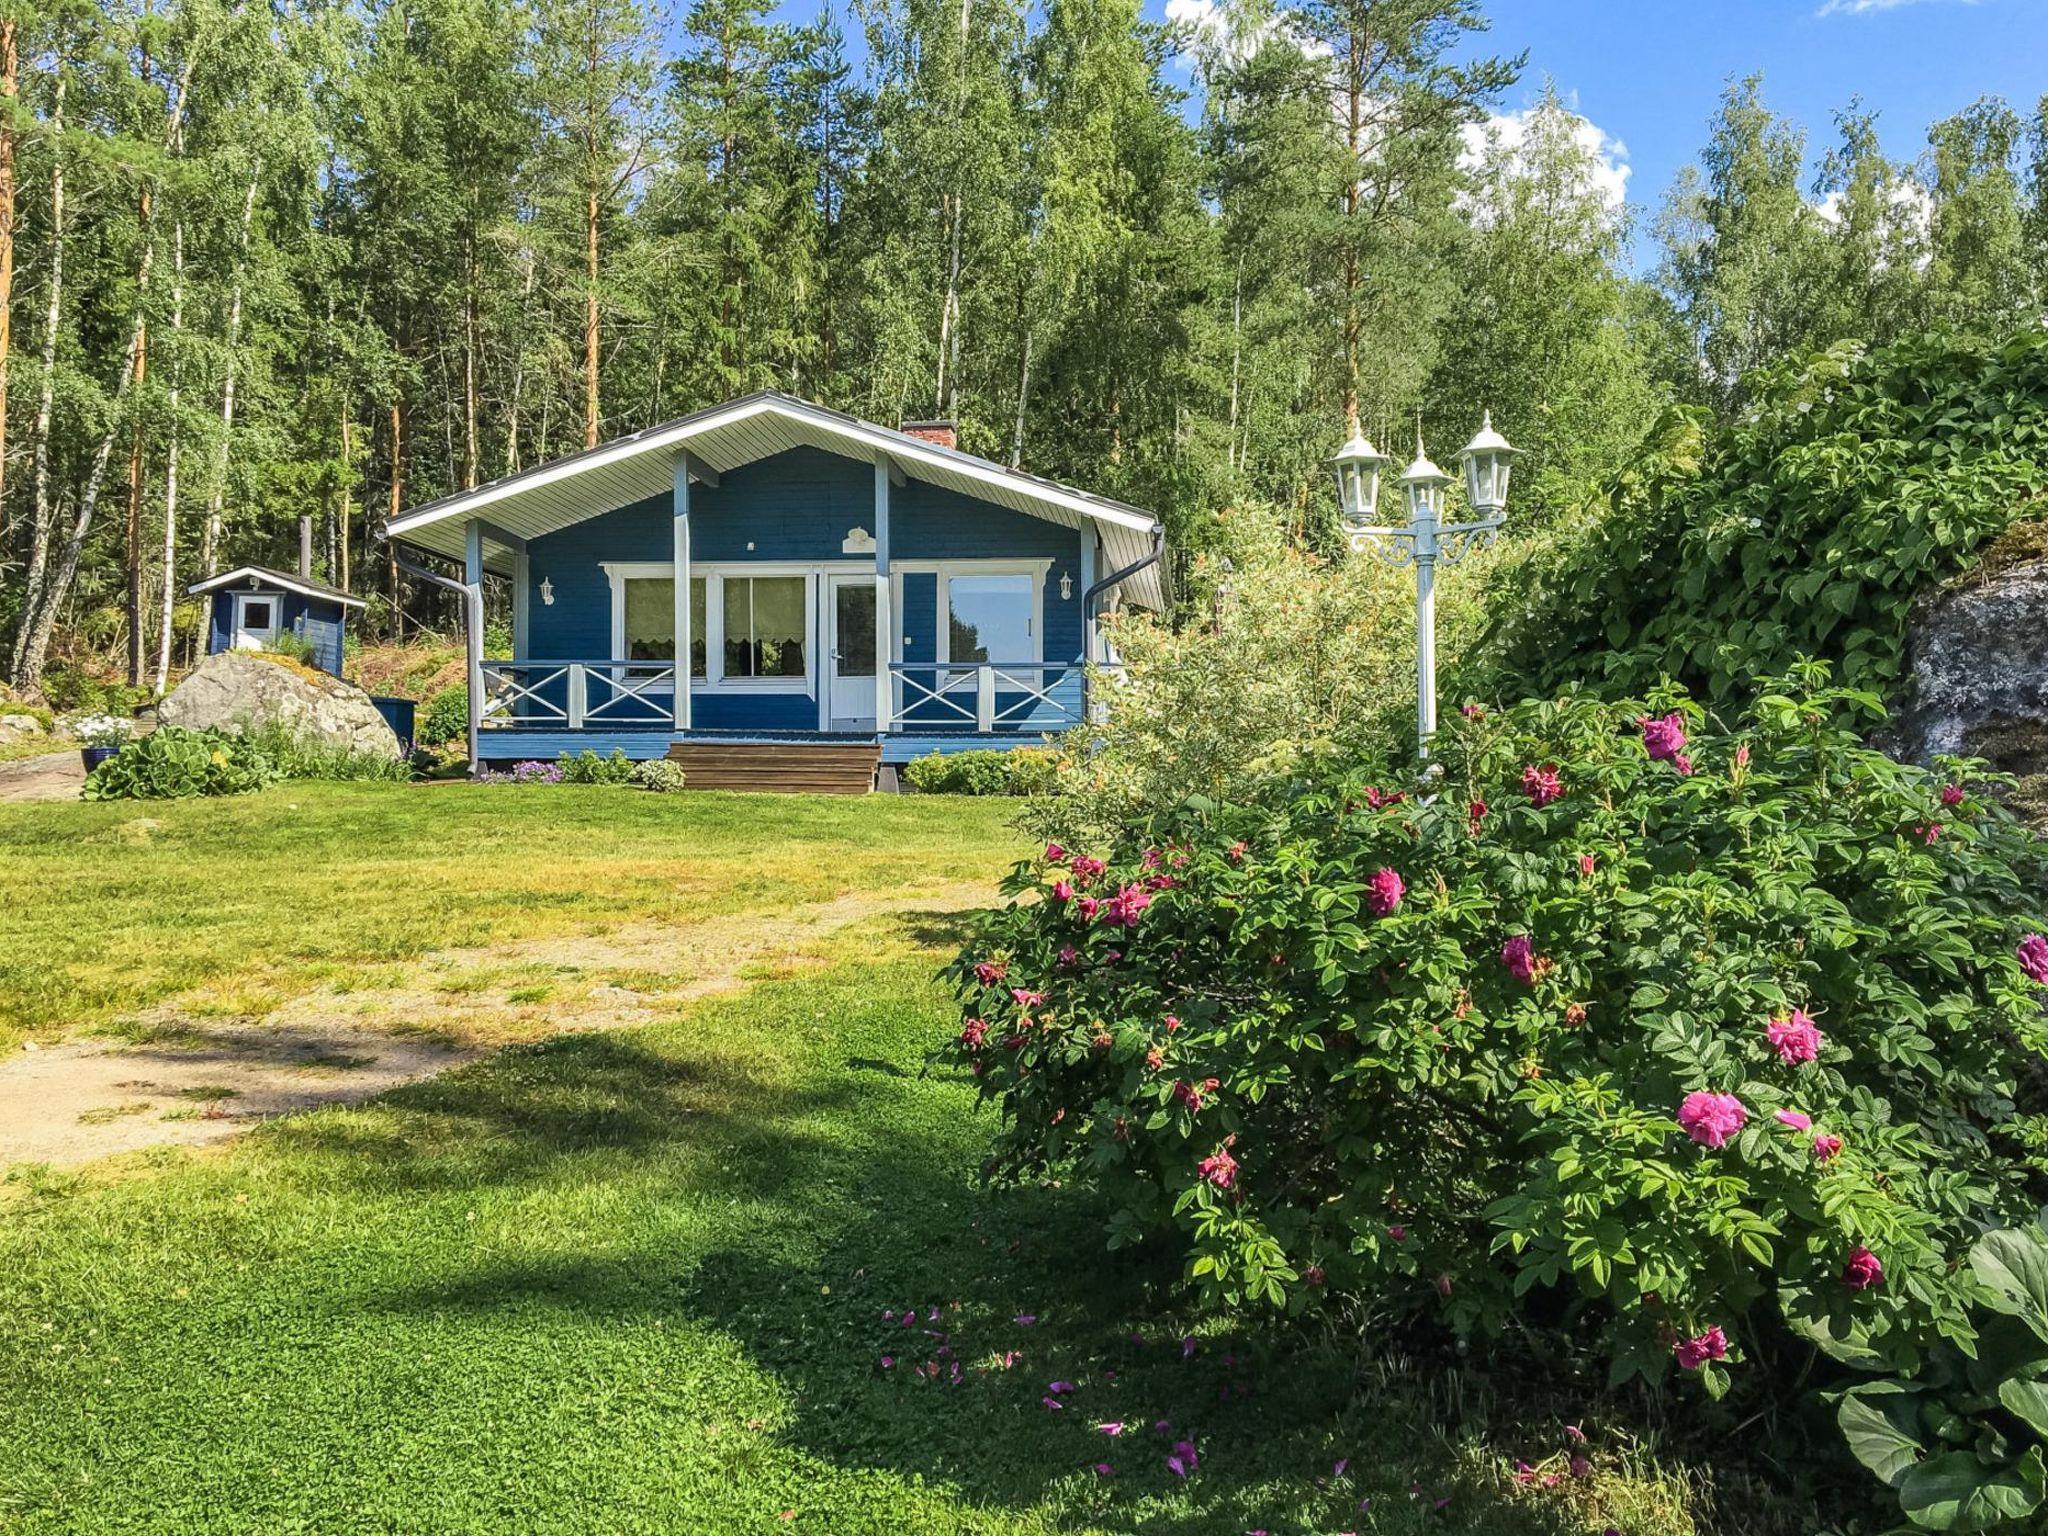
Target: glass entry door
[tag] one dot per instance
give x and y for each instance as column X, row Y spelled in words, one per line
column 852, row 653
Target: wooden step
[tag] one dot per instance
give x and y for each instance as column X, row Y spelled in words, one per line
column 779, row 767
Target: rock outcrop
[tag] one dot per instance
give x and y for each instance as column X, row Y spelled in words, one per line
column 237, row 690
column 1977, row 662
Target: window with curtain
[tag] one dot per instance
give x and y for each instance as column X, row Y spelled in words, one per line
column 651, row 620
column 764, row 626
column 990, row 619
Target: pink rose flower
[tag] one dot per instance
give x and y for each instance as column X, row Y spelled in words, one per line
column 1586, row 865
column 1085, row 868
column 1951, row 795
column 1519, row 956
column 1712, row 1119
column 1541, row 785
column 1398, row 1233
column 1125, row 908
column 1794, row 1038
column 975, row 1032
column 1383, row 892
column 1826, row 1148
column 1088, row 906
column 1055, row 854
column 1219, row 1168
column 1664, row 737
column 1062, row 890
column 1793, row 1118
column 1863, row 1271
column 2033, row 958
column 1695, row 1352
column 989, row 972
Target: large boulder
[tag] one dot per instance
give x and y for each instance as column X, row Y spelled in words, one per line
column 1977, row 661
column 237, row 690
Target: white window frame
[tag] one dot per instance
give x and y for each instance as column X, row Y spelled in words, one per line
column 276, row 627
column 1037, row 570
column 713, row 575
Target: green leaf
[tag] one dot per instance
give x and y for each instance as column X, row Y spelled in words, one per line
column 1957, row 1492
column 1881, row 1422
column 2013, row 1266
column 2027, row 1400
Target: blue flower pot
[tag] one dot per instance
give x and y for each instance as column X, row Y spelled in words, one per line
column 94, row 756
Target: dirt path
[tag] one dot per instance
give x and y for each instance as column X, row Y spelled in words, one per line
column 52, row 776
column 187, row 1076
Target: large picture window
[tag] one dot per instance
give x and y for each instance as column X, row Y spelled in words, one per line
column 765, row 622
column 646, row 619
column 991, row 618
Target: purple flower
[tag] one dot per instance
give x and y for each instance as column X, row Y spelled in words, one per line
column 1712, row 1119
column 1104, row 1469
column 1383, row 893
column 1664, row 737
column 1183, row 1460
column 1541, row 785
column 1111, row 1429
column 1519, row 956
column 1863, row 1271
column 1693, row 1353
column 1794, row 1038
column 1025, row 1319
column 1059, row 1386
column 2033, row 958
column 1793, row 1118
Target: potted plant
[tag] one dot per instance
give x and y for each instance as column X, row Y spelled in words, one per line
column 101, row 736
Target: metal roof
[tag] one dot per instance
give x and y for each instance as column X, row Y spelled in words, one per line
column 263, row 575
column 552, row 496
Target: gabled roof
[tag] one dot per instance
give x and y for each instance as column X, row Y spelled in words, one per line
column 257, row 576
column 568, row 490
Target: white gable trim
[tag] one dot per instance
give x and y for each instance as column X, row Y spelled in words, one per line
column 272, row 581
column 909, row 452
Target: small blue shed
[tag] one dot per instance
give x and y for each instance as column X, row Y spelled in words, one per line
column 251, row 606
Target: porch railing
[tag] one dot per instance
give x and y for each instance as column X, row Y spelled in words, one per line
column 987, row 696
column 578, row 695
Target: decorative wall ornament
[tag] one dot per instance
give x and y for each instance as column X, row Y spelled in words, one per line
column 858, row 541
column 547, row 592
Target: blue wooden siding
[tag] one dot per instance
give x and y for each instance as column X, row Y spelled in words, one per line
column 319, row 622
column 519, row 746
column 797, row 507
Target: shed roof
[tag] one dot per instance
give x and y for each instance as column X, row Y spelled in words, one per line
column 568, row 490
column 255, row 576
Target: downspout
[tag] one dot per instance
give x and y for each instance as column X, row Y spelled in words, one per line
column 1115, row 578
column 1088, row 598
column 472, row 637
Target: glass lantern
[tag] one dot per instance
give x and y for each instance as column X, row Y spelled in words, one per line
column 1487, row 460
column 1358, row 466
column 1422, row 487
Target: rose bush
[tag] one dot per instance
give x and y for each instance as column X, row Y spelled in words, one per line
column 1695, row 1029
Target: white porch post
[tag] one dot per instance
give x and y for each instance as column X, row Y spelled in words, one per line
column 682, row 559
column 1087, row 582
column 887, row 640
column 473, row 621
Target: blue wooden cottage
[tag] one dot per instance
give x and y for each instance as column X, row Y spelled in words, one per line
column 251, row 607
column 852, row 596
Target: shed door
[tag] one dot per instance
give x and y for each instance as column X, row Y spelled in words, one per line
column 851, row 657
column 256, row 620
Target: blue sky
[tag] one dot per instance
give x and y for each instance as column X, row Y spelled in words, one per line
column 1648, row 73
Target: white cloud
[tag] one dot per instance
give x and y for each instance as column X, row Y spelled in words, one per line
column 1866, row 7
column 1608, row 169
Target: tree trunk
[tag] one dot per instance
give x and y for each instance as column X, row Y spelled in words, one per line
column 167, row 607
column 519, row 370
column 41, row 513
column 472, row 457
column 590, row 314
column 209, row 553
column 348, row 470
column 1023, row 395
column 397, row 501
column 145, row 214
column 10, row 89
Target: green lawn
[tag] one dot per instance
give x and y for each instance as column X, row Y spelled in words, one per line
column 645, row 1281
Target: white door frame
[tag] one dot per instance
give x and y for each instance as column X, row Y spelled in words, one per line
column 244, row 638
column 834, row 583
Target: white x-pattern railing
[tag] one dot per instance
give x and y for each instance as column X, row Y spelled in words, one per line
column 578, row 694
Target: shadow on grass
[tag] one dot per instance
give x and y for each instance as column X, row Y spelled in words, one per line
column 864, row 1208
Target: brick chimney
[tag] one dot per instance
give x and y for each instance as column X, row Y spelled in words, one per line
column 944, row 433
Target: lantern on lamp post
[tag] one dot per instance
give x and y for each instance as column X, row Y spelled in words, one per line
column 1425, row 538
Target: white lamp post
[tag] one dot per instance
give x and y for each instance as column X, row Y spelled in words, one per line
column 1426, row 538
